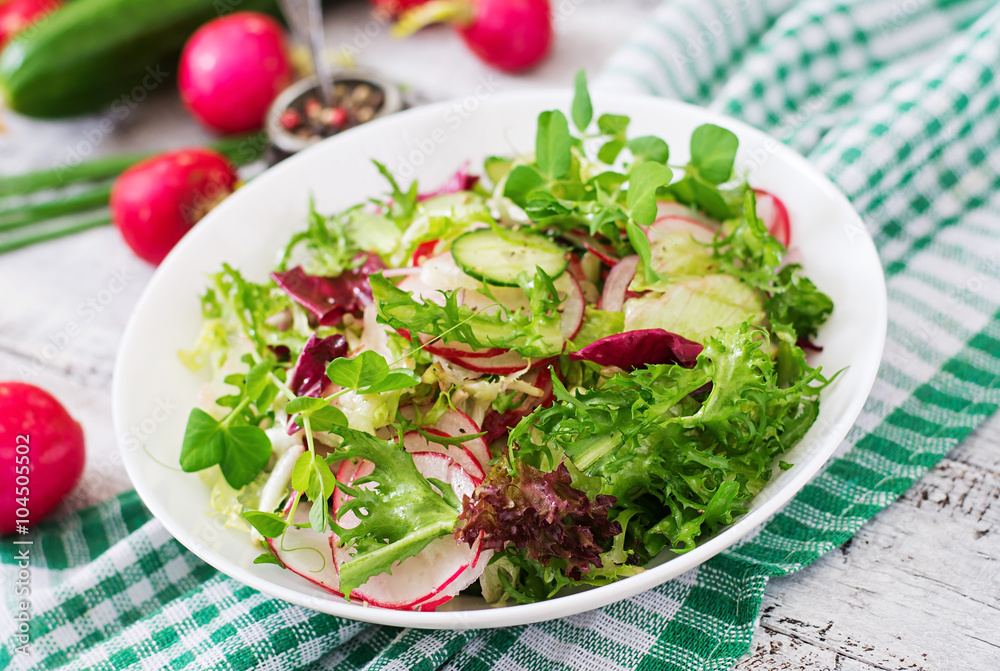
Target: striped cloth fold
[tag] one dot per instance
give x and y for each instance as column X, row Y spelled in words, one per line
column 898, row 102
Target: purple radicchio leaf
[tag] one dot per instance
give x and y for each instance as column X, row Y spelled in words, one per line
column 460, row 181
column 635, row 349
column 330, row 298
column 308, row 377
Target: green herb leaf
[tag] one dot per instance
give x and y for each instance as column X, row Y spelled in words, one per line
column 644, row 179
column 609, row 151
column 641, row 245
column 583, row 110
column 710, row 199
column 609, row 181
column 397, row 378
column 521, row 181
column 203, row 444
column 613, row 124
column 268, row 558
column 247, row 451
column 322, row 416
column 268, row 525
column 364, row 370
column 649, row 148
column 313, row 476
column 713, row 150
column 319, row 516
column 694, row 191
column 552, row 145
column 257, row 378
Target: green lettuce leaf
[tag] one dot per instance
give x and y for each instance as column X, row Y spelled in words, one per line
column 403, row 513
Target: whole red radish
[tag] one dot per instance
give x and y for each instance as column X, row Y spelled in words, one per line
column 232, row 69
column 154, row 203
column 16, row 15
column 510, row 35
column 41, row 454
column 395, row 7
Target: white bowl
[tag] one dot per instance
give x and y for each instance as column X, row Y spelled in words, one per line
column 248, row 228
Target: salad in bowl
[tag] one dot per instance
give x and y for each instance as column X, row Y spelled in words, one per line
column 541, row 376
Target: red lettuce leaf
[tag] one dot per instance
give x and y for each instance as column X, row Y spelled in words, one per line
column 330, row 298
column 635, row 349
column 542, row 514
column 460, row 181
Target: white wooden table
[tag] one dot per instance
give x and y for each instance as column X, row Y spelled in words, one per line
column 917, row 588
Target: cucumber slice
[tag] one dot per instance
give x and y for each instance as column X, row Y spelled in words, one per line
column 499, row 258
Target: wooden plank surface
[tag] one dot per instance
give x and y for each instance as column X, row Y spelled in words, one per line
column 917, row 588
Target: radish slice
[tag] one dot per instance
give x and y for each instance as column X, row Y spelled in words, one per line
column 319, row 569
column 431, row 605
column 667, row 226
column 438, row 572
column 573, row 306
column 513, row 299
column 457, row 423
column 684, row 212
column 424, row 251
column 615, row 287
column 503, row 364
column 415, row 285
column 774, row 214
column 345, row 474
column 542, row 379
column 461, row 455
column 575, row 269
column 425, row 292
column 602, row 251
column 440, row 273
column 374, row 336
column 455, row 348
column 442, row 467
column 794, row 255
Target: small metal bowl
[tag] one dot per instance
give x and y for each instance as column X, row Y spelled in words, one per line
column 284, row 143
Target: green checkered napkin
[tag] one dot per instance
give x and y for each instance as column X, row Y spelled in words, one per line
column 896, row 100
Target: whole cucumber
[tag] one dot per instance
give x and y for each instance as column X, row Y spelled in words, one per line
column 94, row 53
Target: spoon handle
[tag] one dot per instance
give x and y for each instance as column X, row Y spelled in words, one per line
column 318, row 40
column 306, row 20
